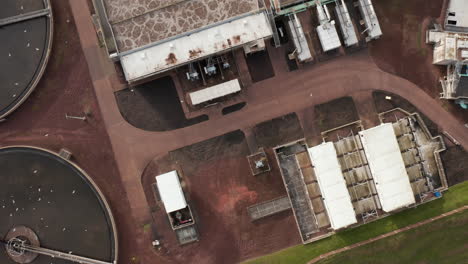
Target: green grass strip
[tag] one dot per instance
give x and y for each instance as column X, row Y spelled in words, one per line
column 454, row 198
column 442, row 241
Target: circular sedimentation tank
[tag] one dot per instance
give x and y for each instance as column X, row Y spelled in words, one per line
column 26, row 41
column 49, row 201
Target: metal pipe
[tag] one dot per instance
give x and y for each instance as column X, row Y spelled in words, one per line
column 62, row 255
column 327, row 12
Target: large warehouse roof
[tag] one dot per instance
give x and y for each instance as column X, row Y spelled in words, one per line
column 333, row 186
column 139, row 23
column 170, row 191
column 387, row 167
column 171, row 53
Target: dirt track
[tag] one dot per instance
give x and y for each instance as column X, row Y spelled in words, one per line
column 135, row 148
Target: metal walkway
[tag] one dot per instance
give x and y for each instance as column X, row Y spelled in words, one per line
column 268, row 208
column 19, row 247
column 24, row 17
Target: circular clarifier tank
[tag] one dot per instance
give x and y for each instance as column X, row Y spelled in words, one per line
column 26, row 28
column 47, row 198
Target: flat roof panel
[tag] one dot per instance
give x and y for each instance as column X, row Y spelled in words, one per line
column 214, row 92
column 170, row 191
column 387, row 167
column 183, row 50
column 458, row 11
column 328, row 37
column 333, row 186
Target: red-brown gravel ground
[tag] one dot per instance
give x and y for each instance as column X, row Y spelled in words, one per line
column 219, row 187
column 67, row 88
column 402, row 50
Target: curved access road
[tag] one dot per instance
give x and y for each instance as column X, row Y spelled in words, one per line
column 286, row 92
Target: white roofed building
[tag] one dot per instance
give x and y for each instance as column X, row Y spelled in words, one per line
column 387, row 167
column 448, row 46
column 154, row 36
column 171, row 192
column 451, row 50
column 178, row 211
column 214, row 92
column 168, row 54
column 371, row 21
column 326, row 31
column 457, row 16
column 333, row 186
column 328, row 36
column 361, row 177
